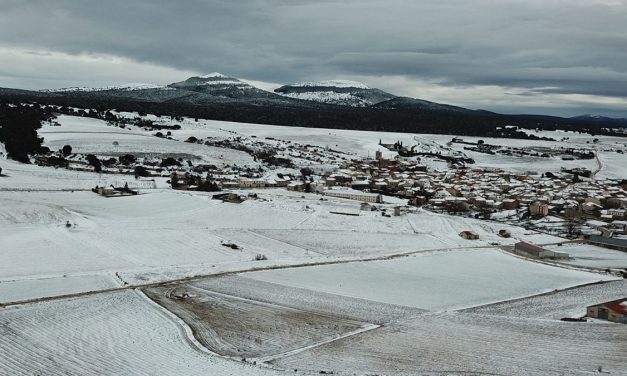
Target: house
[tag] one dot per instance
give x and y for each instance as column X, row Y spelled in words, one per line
column 510, row 204
column 533, row 250
column 615, row 311
column 296, row 186
column 105, row 191
column 251, row 183
column 538, row 209
column 469, row 235
column 351, row 194
column 418, row 200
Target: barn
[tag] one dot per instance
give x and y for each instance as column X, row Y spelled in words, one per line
column 529, row 249
column 615, row 311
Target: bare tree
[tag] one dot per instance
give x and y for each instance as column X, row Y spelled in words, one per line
column 572, row 223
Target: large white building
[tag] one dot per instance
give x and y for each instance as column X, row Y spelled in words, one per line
column 352, row 194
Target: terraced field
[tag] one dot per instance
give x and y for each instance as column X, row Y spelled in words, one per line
column 237, row 327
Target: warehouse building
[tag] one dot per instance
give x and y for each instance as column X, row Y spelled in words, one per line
column 615, row 311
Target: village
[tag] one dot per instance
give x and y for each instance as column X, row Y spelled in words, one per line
column 585, row 206
column 392, row 180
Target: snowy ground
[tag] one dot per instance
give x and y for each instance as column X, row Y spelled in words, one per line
column 94, row 136
column 161, row 231
column 364, row 143
column 115, row 334
column 593, row 256
column 166, row 234
column 434, row 281
column 162, row 235
column 453, row 343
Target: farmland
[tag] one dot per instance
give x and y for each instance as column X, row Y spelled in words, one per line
column 172, row 281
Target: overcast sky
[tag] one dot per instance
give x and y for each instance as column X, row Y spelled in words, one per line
column 563, row 57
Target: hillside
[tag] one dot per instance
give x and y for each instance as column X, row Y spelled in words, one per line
column 339, row 92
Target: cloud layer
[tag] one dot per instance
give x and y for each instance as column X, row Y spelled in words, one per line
column 554, row 55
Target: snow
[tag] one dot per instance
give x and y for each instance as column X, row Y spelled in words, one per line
column 118, row 334
column 94, row 136
column 131, row 86
column 327, row 97
column 434, row 281
column 331, row 83
column 556, row 305
column 455, row 343
column 213, row 75
column 593, row 256
column 163, row 235
column 226, row 83
column 25, row 289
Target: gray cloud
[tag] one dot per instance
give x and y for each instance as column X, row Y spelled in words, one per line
column 542, row 46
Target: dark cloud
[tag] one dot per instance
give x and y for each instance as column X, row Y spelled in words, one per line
column 546, row 46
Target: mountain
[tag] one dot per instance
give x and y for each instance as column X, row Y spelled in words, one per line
column 338, row 92
column 220, row 86
column 405, row 103
column 323, row 104
column 198, row 90
column 599, row 119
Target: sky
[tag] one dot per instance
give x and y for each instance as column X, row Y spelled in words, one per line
column 560, row 57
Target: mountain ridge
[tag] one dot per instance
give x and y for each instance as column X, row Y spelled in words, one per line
column 220, row 97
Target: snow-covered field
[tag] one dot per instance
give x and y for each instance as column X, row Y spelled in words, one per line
column 130, row 235
column 364, row 143
column 115, row 334
column 434, row 281
column 556, row 305
column 94, row 136
column 453, row 343
column 163, row 235
column 593, row 256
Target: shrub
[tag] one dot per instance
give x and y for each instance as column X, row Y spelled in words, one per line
column 67, row 150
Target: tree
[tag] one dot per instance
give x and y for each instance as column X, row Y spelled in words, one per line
column 572, row 223
column 66, row 151
column 141, row 171
column 306, row 171
column 127, row 159
column 174, row 180
column 486, row 212
column 95, row 162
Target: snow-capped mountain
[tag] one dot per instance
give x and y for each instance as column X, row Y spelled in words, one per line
column 211, row 83
column 338, row 92
column 220, row 86
column 599, row 118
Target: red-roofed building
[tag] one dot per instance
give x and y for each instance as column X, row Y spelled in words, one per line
column 615, row 311
column 528, row 249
